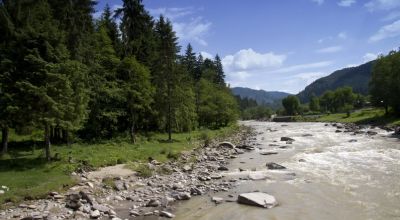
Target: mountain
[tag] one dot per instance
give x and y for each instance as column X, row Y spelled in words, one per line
column 356, row 77
column 267, row 98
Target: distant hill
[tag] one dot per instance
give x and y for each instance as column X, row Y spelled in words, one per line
column 356, row 77
column 267, row 98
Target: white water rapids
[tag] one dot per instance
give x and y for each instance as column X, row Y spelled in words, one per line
column 329, row 175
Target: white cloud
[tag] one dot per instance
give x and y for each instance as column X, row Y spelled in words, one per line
column 391, row 16
column 248, row 59
column 301, row 67
column 375, row 5
column 206, row 55
column 195, row 30
column 342, row 35
column 171, row 13
column 369, row 56
column 332, row 49
column 346, row 3
column 319, row 2
column 387, row 31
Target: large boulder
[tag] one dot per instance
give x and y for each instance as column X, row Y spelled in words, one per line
column 257, row 199
column 397, row 130
column 227, row 144
column 275, row 166
column 287, row 139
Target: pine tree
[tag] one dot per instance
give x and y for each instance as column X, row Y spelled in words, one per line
column 108, row 22
column 189, row 60
column 137, row 31
column 220, row 77
column 75, row 17
column 165, row 77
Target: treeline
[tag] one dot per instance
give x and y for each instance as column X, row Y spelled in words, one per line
column 385, row 82
column 71, row 75
column 251, row 110
column 342, row 99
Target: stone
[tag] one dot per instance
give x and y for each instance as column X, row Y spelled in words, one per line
column 181, row 196
column 216, row 176
column 90, row 184
column 73, row 204
column 223, row 168
column 32, row 207
column 352, row 140
column 95, row 214
column 287, row 139
column 217, row 200
column 372, row 133
column 134, row 213
column 187, row 168
column 227, row 144
column 153, row 203
column 58, row 196
column 239, row 151
column 257, row 199
column 195, row 191
column 86, row 197
column 101, row 208
column 119, row 185
column 23, row 205
column 166, row 214
column 118, row 198
column 275, row 166
column 258, row 176
column 265, row 153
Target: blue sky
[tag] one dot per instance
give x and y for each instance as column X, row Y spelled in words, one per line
column 282, row 45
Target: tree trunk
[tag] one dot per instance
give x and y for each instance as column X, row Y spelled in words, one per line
column 386, row 109
column 47, row 142
column 4, row 145
column 133, row 137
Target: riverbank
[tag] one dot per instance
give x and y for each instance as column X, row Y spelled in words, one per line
column 27, row 175
column 368, row 116
column 191, row 172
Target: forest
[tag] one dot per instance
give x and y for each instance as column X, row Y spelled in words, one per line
column 75, row 77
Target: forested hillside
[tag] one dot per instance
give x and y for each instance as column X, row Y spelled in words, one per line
column 72, row 76
column 271, row 99
column 357, row 78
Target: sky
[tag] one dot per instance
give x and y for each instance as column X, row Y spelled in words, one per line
column 281, row 45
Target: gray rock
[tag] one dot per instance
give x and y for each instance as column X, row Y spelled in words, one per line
column 95, row 214
column 217, row 200
column 167, row 214
column 227, row 144
column 257, row 199
column 119, row 185
column 268, row 153
column 223, row 168
column 286, row 139
column 101, row 208
column 153, row 203
column 275, row 166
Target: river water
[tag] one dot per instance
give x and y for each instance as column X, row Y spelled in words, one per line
column 329, row 175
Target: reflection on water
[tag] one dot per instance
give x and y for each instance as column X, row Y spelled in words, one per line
column 329, row 176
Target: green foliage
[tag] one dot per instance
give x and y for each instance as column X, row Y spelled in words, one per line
column 291, row 105
column 385, row 82
column 257, row 113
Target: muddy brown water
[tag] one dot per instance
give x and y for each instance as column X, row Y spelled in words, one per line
column 329, row 175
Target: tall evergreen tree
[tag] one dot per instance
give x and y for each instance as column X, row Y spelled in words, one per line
column 189, row 60
column 220, row 77
column 108, row 22
column 137, row 31
column 75, row 18
column 165, row 77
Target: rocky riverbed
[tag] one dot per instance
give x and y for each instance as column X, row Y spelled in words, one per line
column 274, row 171
column 118, row 193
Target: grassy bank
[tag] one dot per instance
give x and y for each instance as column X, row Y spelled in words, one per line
column 364, row 116
column 29, row 176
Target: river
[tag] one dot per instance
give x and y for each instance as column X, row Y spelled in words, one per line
column 329, row 175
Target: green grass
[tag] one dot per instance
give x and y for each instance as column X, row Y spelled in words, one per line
column 29, row 176
column 364, row 116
